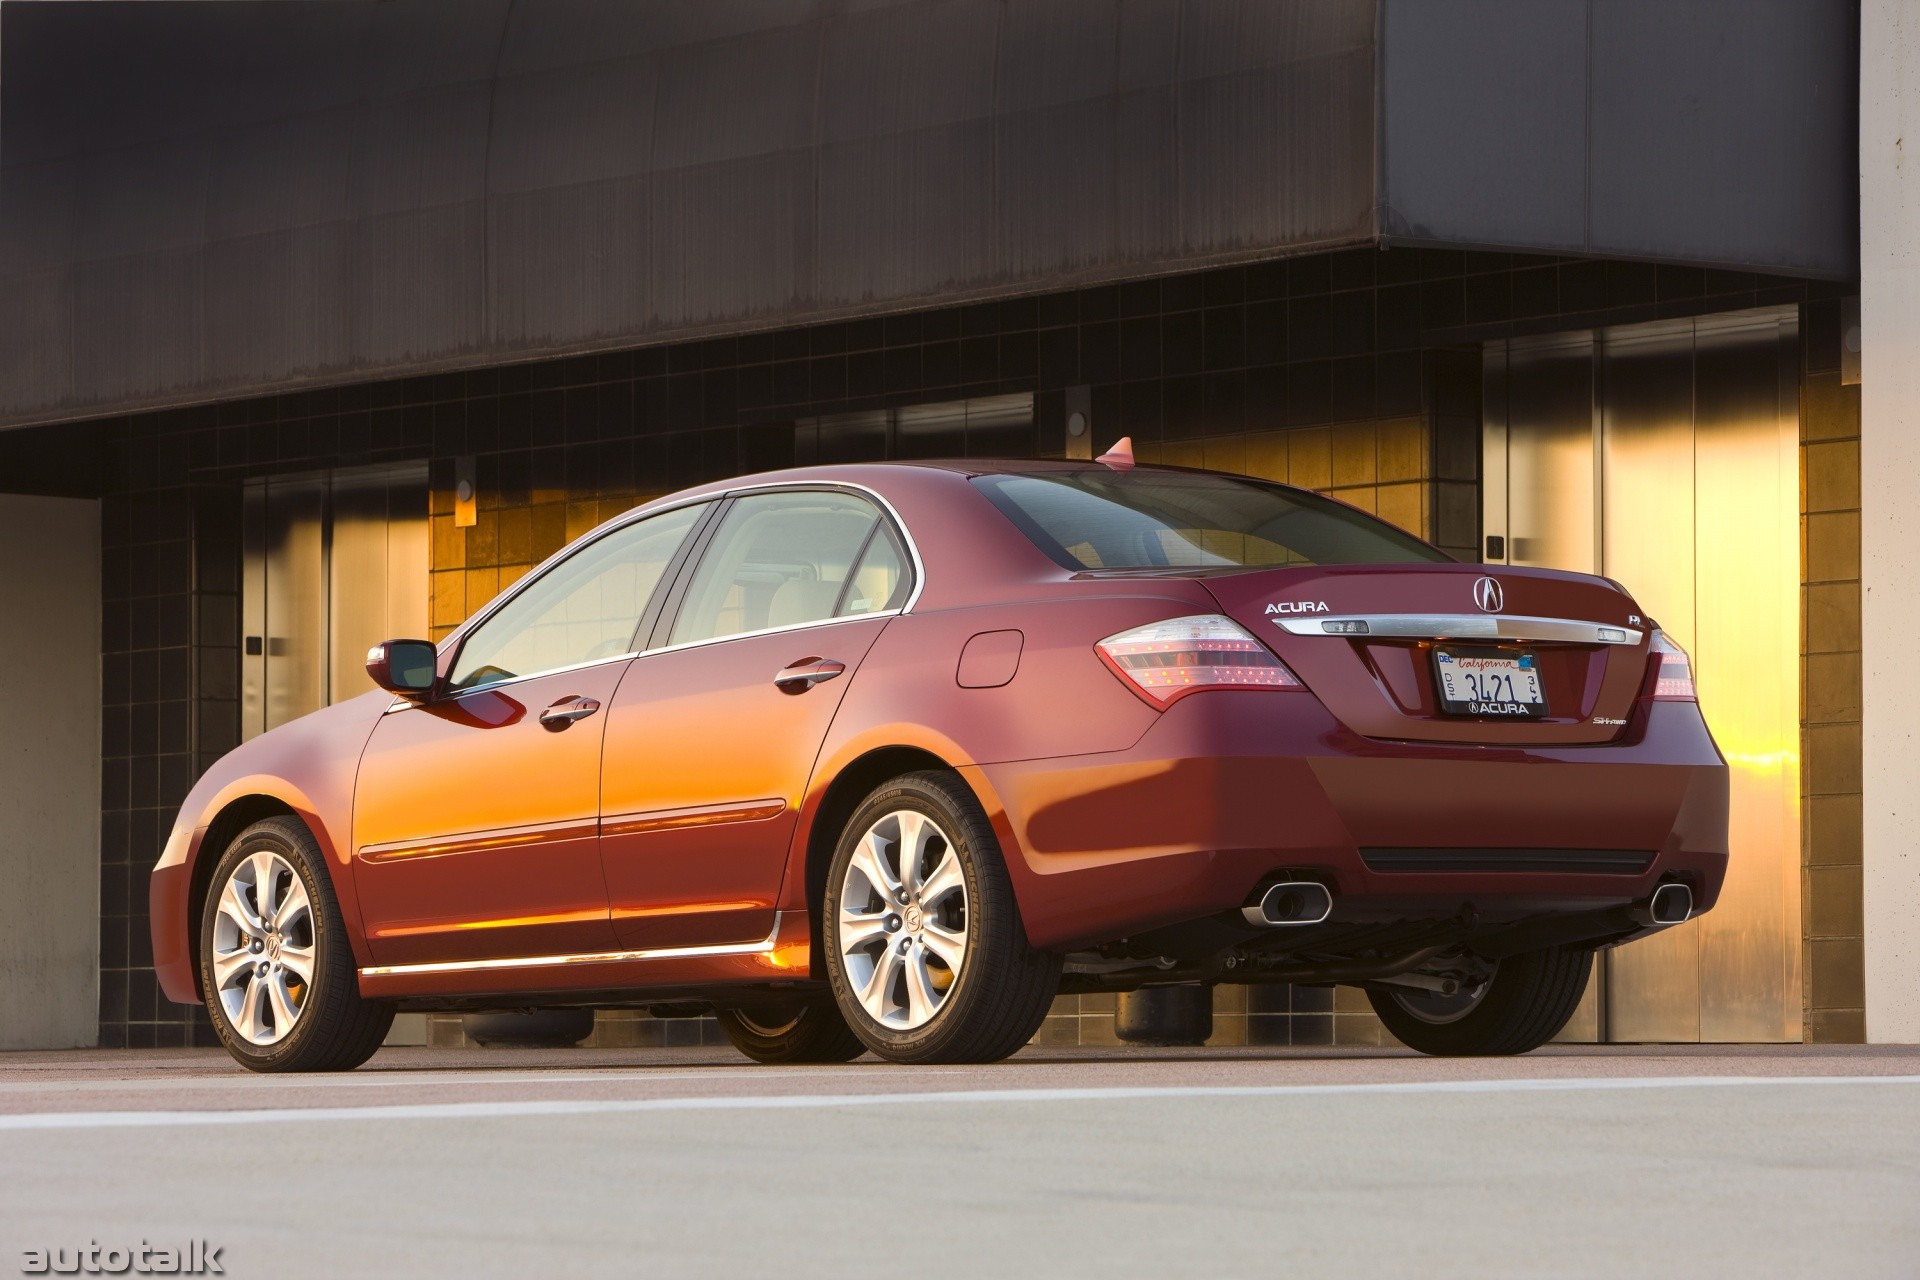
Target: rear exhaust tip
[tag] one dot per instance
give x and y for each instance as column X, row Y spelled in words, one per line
column 1670, row 904
column 1290, row 902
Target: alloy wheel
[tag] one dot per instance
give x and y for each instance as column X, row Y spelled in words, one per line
column 903, row 920
column 263, row 948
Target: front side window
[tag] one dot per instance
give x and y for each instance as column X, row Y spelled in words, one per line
column 788, row 558
column 1175, row 519
column 583, row 609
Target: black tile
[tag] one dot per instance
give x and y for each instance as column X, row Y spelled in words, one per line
column 1266, row 280
column 940, row 326
column 1351, row 318
column 1488, row 298
column 1142, row 414
column 903, row 370
column 755, row 385
column 1100, row 353
column 799, row 344
column 1583, row 286
column 1309, row 328
column 1631, row 283
column 1057, row 309
column 1182, row 343
column 1224, row 337
column 1308, row 276
column 939, row 365
column 866, row 375
column 1183, row 408
column 1140, row 348
column 1266, row 397
column 980, row 319
column 1019, row 357
column 1225, row 286
column 1059, row 355
column 1680, row 282
column 1352, row 395
column 1140, row 298
column 902, row 330
column 1099, row 303
column 1182, row 293
column 1398, row 384
column 1016, row 314
column 1536, row 292
column 1309, row 392
column 1352, row 268
column 827, row 378
column 1223, row 396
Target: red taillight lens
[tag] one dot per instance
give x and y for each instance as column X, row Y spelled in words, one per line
column 1673, row 676
column 1164, row 660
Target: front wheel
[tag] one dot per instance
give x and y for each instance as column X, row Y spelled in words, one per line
column 1521, row 1005
column 276, row 968
column 926, row 952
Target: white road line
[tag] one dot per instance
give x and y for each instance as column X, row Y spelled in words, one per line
column 791, row 1102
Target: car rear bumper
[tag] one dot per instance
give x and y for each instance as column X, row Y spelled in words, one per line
column 1232, row 787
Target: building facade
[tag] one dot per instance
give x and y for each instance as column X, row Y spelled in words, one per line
column 334, row 320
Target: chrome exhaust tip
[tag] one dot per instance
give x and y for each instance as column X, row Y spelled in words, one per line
column 1290, row 902
column 1670, row 904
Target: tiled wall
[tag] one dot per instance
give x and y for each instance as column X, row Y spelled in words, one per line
column 1355, row 372
column 1830, row 685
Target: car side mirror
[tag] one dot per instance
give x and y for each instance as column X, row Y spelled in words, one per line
column 409, row 668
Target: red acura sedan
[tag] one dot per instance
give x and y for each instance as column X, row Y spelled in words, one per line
column 885, row 757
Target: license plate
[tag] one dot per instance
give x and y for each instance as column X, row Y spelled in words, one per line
column 1491, row 684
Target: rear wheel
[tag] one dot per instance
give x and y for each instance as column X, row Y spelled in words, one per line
column 276, row 968
column 926, row 952
column 1523, row 1004
column 799, row 1031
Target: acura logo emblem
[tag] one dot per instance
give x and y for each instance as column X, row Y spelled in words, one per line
column 1488, row 595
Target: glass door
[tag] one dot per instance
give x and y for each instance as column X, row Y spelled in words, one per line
column 1665, row 456
column 334, row 563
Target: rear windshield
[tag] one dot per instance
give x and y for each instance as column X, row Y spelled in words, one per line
column 1176, row 519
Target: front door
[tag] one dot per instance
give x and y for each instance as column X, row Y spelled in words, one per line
column 476, row 815
column 712, row 738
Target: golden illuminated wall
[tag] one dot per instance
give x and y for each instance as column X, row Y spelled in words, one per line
column 1666, row 456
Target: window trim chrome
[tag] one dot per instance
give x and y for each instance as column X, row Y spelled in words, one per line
column 459, row 636
column 1465, row 626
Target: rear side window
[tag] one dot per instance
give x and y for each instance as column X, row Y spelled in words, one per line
column 789, row 558
column 1172, row 519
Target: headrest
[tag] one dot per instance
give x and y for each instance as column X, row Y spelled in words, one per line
column 798, row 600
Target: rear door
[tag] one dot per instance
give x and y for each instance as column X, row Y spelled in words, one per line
column 712, row 736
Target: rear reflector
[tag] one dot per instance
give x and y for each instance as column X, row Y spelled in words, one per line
column 1165, row 660
column 1673, row 677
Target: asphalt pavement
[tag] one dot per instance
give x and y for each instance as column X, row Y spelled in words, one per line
column 1572, row 1161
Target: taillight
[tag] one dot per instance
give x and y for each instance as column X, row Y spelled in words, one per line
column 1166, row 660
column 1673, row 676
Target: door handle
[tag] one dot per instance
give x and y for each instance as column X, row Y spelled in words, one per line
column 806, row 673
column 566, row 711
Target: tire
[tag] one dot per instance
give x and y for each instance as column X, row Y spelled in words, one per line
column 270, row 1019
column 799, row 1031
column 1523, row 1005
column 890, row 963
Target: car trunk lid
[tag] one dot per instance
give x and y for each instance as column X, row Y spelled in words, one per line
column 1364, row 639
